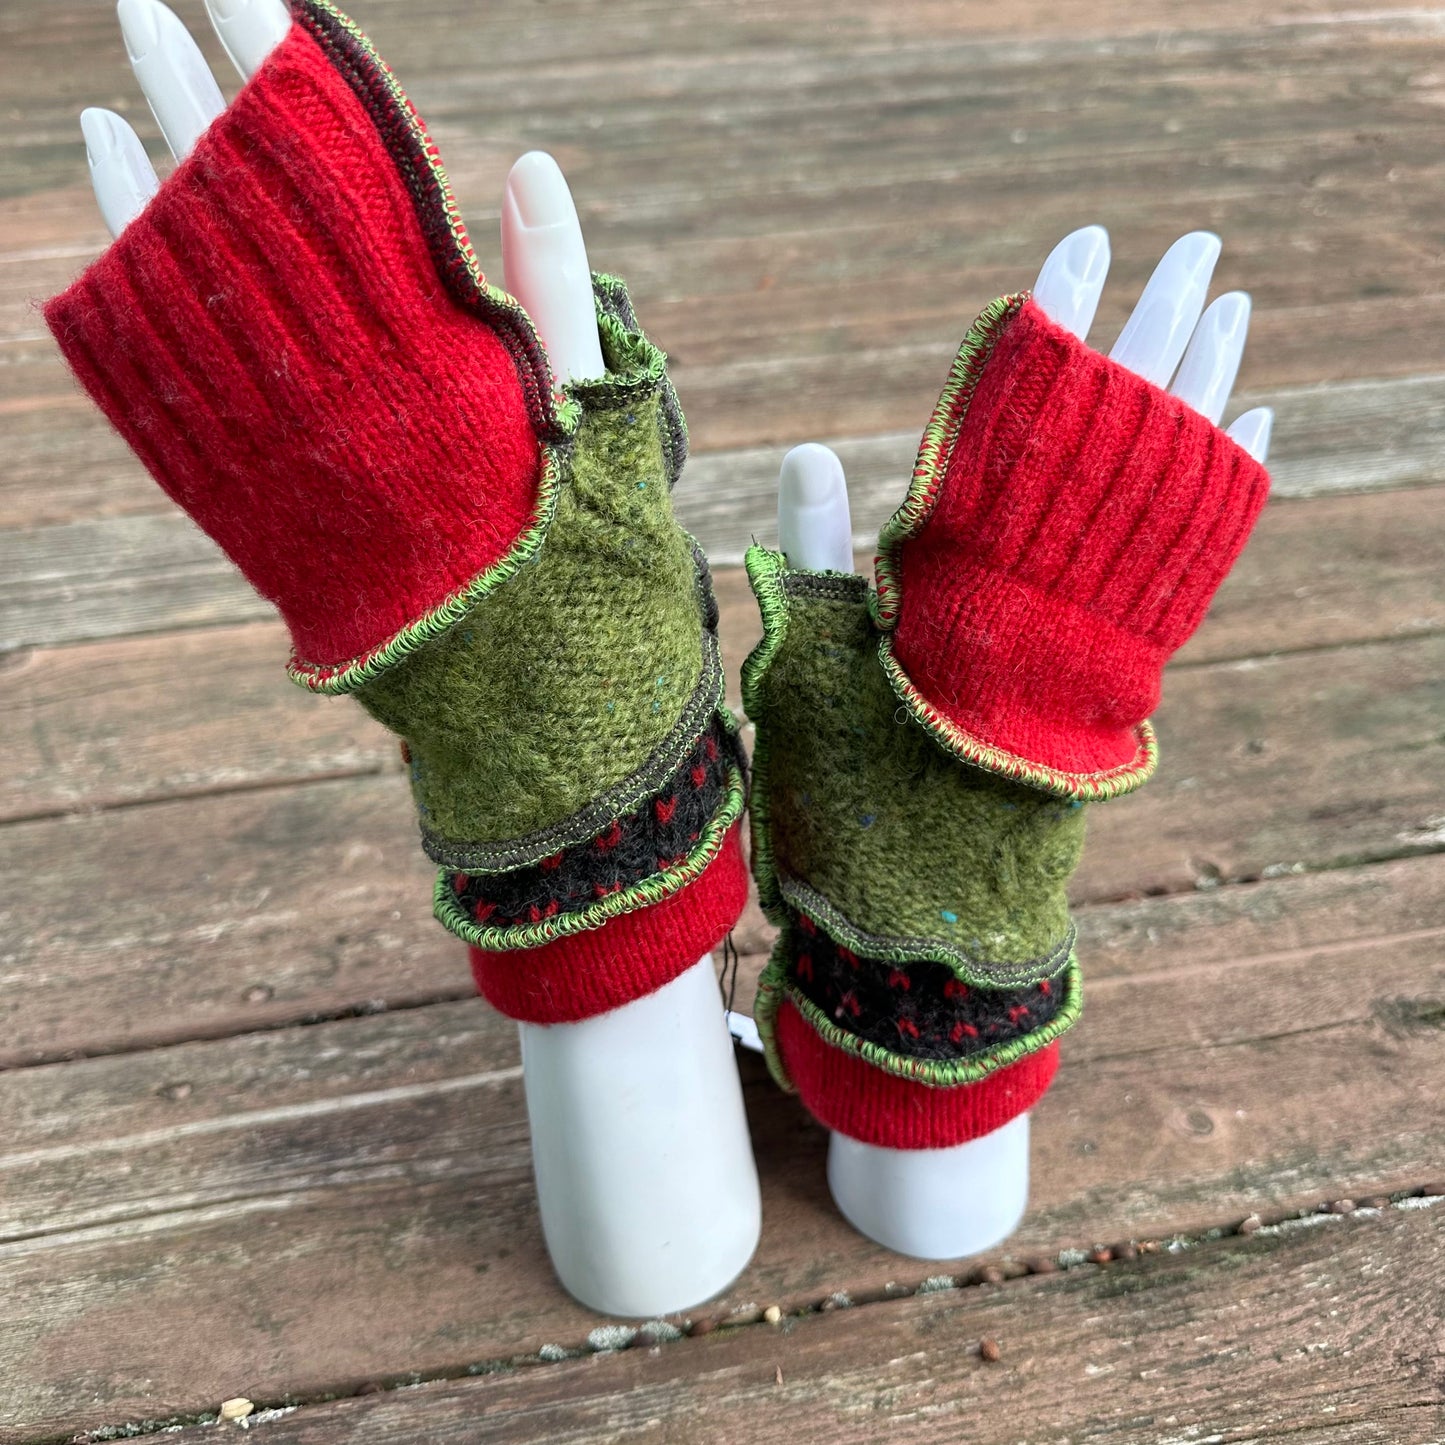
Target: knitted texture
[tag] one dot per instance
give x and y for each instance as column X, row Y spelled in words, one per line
column 1065, row 530
column 1067, row 525
column 918, row 1010
column 626, row 959
column 924, row 928
column 593, row 674
column 863, row 823
column 372, row 448
column 296, row 339
column 640, row 859
column 934, row 1035
column 848, row 1094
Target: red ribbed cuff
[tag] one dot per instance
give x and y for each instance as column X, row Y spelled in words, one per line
column 1066, row 529
column 849, row 1095
column 628, row 958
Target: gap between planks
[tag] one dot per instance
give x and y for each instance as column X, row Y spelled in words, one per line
column 812, row 1357
column 253, row 1238
column 87, row 734
column 147, row 573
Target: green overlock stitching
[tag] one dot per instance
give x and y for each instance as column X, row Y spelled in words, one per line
column 1084, row 787
column 653, row 889
column 705, row 704
column 765, row 574
column 808, row 902
column 453, row 835
column 938, row 437
column 1029, row 945
column 347, row 677
column 773, row 988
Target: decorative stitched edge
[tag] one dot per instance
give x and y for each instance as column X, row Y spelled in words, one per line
column 930, row 467
column 653, row 889
column 419, row 163
column 646, row 371
column 807, row 901
column 1083, row 787
column 774, row 987
column 765, row 571
column 556, row 412
column 705, row 703
column 554, row 416
column 886, row 601
column 343, row 677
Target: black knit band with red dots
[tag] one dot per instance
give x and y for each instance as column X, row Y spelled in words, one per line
column 922, row 1010
column 651, row 838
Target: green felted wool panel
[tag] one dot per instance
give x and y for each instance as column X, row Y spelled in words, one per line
column 864, row 823
column 589, row 671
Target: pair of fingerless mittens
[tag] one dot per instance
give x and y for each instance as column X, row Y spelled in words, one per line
column 926, row 746
column 296, row 340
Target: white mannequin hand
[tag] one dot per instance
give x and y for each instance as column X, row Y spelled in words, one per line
column 1165, row 326
column 943, row 1203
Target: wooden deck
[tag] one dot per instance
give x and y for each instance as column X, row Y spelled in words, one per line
column 251, row 1144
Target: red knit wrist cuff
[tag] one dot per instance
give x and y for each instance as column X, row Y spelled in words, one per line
column 627, row 958
column 849, row 1095
column 1067, row 525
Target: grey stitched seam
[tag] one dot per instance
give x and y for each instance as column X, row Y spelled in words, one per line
column 590, row 820
column 925, row 950
column 825, row 587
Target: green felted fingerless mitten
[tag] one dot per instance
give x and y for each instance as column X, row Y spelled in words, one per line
column 924, row 927
column 296, row 339
column 570, row 752
column 925, row 749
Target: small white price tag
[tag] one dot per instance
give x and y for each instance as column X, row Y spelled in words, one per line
column 745, row 1031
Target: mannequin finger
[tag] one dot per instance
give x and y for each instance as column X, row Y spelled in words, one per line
column 249, row 30
column 544, row 263
column 1206, row 375
column 120, row 171
column 1252, row 432
column 1155, row 335
column 1072, row 279
column 815, row 530
column 178, row 84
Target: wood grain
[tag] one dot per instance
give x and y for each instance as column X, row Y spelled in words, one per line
column 236, row 1209
column 254, row 907
column 112, row 576
column 145, row 718
column 1155, row 1350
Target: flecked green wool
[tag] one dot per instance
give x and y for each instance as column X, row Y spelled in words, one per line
column 864, row 824
column 578, row 686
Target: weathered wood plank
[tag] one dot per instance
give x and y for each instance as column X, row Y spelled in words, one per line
column 149, row 572
column 239, row 912
column 254, row 1200
column 179, row 714
column 749, row 176
column 1332, row 1333
column 318, row 898
column 86, row 732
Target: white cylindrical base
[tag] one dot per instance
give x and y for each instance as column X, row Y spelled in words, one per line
column 934, row 1203
column 645, row 1177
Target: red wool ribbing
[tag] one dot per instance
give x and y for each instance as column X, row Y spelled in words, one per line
column 847, row 1094
column 628, row 958
column 1085, row 520
column 272, row 339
